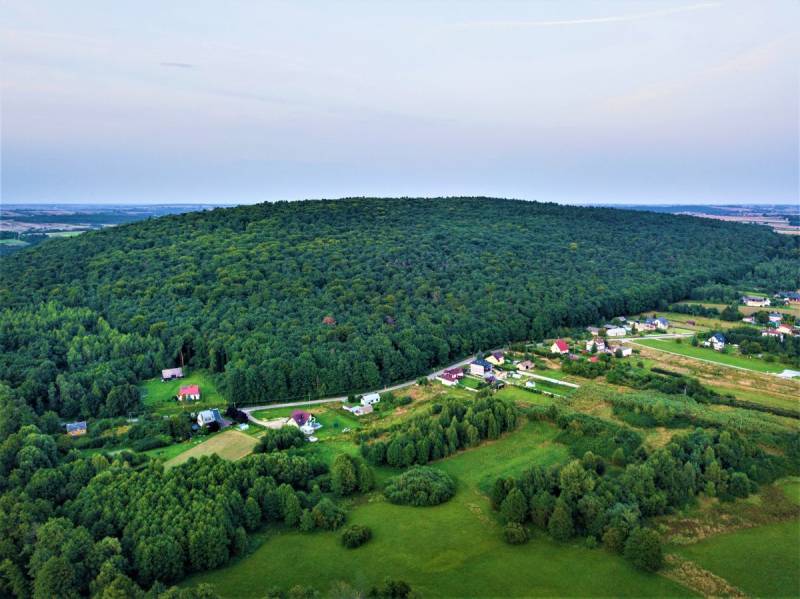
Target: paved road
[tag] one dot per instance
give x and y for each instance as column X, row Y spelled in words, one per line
column 343, row 398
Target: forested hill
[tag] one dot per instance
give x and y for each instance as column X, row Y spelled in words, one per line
column 290, row 300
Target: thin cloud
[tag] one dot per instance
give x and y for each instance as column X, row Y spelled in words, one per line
column 592, row 20
column 177, row 65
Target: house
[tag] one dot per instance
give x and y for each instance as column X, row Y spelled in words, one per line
column 595, row 331
column 792, row 297
column 209, row 417
column 623, row 350
column 501, row 374
column 775, row 317
column 597, row 343
column 559, row 347
column 370, row 398
column 480, row 367
column 525, row 365
column 648, row 324
column 451, row 376
column 191, row 392
column 594, row 359
column 613, row 330
column 662, row 324
column 751, row 300
column 749, row 319
column 496, row 358
column 785, row 329
column 171, row 373
column 448, row 379
column 359, row 410
column 716, row 341
column 305, row 422
column 76, row 429
column 772, row 333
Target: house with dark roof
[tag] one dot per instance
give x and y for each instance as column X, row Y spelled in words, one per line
column 480, row 367
column 716, row 341
column 210, row 417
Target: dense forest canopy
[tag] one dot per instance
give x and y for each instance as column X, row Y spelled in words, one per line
column 293, row 300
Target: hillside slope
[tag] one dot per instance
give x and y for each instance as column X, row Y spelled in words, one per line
column 291, row 300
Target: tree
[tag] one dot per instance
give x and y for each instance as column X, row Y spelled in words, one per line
column 515, row 534
column 344, row 477
column 252, row 514
column 56, row 578
column 560, row 525
column 643, row 549
column 514, row 507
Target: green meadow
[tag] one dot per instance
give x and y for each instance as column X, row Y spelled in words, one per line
column 705, row 353
column 159, row 397
column 451, row 550
column 762, row 561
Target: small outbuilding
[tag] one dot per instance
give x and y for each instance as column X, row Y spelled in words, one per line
column 171, row 373
column 76, row 429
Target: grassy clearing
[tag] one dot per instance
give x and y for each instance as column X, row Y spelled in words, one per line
column 701, row 323
column 521, row 395
column 229, row 444
column 451, row 550
column 64, row 233
column 13, row 242
column 762, row 561
column 732, row 359
column 159, row 397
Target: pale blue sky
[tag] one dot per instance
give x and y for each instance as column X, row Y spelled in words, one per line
column 199, row 101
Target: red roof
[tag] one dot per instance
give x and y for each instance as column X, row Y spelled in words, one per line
column 593, row 359
column 562, row 345
column 190, row 390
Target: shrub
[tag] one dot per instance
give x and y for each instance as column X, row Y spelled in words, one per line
column 515, row 534
column 356, row 535
column 327, row 515
column 514, row 507
column 280, row 439
column 420, row 486
column 643, row 549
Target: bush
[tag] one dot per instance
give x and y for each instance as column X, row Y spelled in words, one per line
column 327, row 515
column 356, row 535
column 515, row 534
column 151, row 443
column 643, row 549
column 420, row 486
column 280, row 439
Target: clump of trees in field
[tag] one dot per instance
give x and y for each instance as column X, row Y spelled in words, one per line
column 356, row 535
column 449, row 426
column 581, row 499
column 279, row 439
column 420, row 486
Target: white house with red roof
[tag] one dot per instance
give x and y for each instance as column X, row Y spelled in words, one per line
column 189, row 392
column 559, row 347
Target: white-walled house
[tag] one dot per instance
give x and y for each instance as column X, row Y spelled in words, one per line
column 370, row 399
column 597, row 343
column 615, row 331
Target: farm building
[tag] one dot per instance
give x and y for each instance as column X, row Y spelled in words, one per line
column 559, row 347
column 359, row 410
column 189, row 392
column 792, row 297
column 662, row 324
column 613, row 330
column 525, row 365
column 76, row 429
column 624, row 350
column 171, row 373
column 775, row 317
column 750, row 300
column 370, row 398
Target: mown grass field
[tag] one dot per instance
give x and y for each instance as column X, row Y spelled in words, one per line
column 762, row 561
column 452, row 550
column 731, row 359
column 159, row 396
column 229, row 444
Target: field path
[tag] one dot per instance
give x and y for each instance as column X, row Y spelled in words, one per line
column 666, row 351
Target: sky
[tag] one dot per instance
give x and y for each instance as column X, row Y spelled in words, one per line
column 245, row 101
